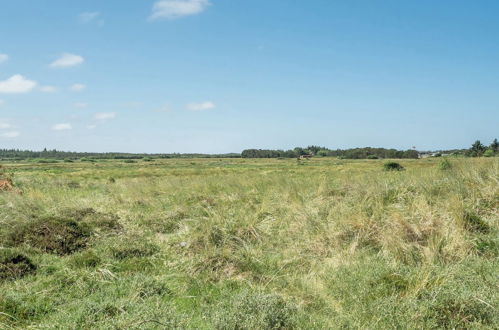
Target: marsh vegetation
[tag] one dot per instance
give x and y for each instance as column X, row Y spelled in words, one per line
column 250, row 244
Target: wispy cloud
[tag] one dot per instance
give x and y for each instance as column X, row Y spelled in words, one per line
column 171, row 9
column 67, row 60
column 17, row 84
column 3, row 58
column 10, row 135
column 88, row 17
column 105, row 115
column 208, row 105
column 77, row 87
column 48, row 89
column 5, row 125
column 62, row 127
column 81, row 105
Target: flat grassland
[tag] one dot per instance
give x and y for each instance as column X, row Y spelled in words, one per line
column 250, row 244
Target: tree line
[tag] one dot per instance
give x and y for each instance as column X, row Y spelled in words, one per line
column 355, row 153
column 16, row 154
column 476, row 150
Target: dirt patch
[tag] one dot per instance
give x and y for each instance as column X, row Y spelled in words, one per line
column 6, row 185
column 14, row 265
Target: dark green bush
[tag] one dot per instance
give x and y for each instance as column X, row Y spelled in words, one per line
column 393, row 166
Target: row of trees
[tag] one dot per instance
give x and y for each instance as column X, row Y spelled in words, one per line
column 357, row 153
column 15, row 154
column 478, row 149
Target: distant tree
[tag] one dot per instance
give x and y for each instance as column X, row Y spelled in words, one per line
column 494, row 146
column 477, row 149
column 314, row 149
column 322, row 153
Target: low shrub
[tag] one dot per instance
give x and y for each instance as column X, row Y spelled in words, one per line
column 393, row 166
column 488, row 153
column 50, row 234
column 14, row 265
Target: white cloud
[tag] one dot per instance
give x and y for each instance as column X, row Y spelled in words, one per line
column 4, row 125
column 17, row 84
column 10, row 135
column 201, row 106
column 67, row 60
column 62, row 127
column 89, row 16
column 171, row 9
column 105, row 115
column 48, row 89
column 77, row 87
column 81, row 105
column 3, row 58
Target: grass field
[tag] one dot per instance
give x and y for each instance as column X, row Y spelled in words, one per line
column 250, row 244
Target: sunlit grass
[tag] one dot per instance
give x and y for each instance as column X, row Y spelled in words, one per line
column 243, row 243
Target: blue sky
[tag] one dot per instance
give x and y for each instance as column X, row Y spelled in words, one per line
column 224, row 75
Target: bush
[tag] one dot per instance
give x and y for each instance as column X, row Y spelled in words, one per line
column 445, row 164
column 488, row 153
column 393, row 166
column 51, row 234
column 14, row 265
column 372, row 157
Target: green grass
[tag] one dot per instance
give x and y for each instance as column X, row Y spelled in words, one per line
column 250, row 244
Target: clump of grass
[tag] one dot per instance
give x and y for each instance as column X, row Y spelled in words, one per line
column 457, row 313
column 474, row 223
column 14, row 264
column 96, row 220
column 445, row 164
column 50, row 234
column 393, row 166
column 85, row 259
column 133, row 249
column 249, row 310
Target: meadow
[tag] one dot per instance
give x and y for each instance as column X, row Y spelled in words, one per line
column 250, row 244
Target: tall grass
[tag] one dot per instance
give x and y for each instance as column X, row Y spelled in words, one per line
column 245, row 244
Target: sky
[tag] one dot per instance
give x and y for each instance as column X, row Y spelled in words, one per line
column 217, row 76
